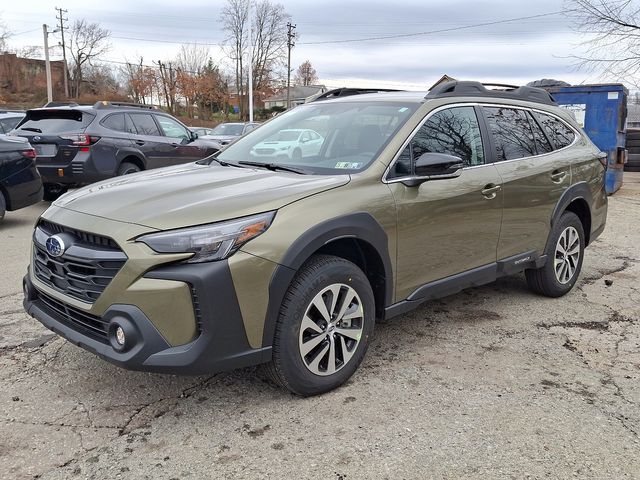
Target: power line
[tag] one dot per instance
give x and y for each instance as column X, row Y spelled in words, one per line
column 432, row 32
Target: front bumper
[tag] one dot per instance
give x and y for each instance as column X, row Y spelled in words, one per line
column 221, row 343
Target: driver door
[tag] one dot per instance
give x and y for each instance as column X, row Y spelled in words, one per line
column 446, row 226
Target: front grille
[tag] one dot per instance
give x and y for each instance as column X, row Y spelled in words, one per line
column 86, row 267
column 265, row 151
column 51, row 228
column 80, row 321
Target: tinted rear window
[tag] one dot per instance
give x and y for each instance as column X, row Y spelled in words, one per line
column 512, row 133
column 114, row 122
column 55, row 121
column 558, row 132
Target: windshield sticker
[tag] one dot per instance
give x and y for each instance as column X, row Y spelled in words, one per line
column 349, row 165
column 403, row 109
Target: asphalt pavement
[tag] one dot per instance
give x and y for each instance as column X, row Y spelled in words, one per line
column 494, row 382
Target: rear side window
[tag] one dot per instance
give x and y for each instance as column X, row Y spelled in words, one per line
column 114, row 122
column 559, row 133
column 542, row 143
column 512, row 134
column 144, row 123
column 55, row 121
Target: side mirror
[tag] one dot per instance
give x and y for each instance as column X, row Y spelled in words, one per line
column 435, row 166
column 194, row 136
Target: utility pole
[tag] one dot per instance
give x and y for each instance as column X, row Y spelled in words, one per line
column 62, row 27
column 47, row 63
column 250, row 63
column 291, row 35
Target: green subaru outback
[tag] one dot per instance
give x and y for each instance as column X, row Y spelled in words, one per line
column 272, row 252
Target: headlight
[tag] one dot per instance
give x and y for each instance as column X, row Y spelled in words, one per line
column 216, row 241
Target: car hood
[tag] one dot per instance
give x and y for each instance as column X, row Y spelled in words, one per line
column 194, row 194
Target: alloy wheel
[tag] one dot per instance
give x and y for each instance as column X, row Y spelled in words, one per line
column 567, row 255
column 331, row 329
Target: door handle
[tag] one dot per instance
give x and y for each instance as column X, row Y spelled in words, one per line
column 140, row 142
column 490, row 191
column 557, row 176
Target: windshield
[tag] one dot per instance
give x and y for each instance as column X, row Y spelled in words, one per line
column 323, row 138
column 234, row 129
column 55, row 121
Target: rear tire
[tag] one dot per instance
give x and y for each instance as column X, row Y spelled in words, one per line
column 53, row 191
column 127, row 168
column 565, row 252
column 323, row 329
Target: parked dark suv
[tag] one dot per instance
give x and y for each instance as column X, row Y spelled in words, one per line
column 79, row 145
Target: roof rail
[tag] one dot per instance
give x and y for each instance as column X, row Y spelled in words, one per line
column 60, row 104
column 107, row 104
column 347, row 91
column 477, row 89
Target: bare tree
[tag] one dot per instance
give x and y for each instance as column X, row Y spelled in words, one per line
column 4, row 36
column 86, row 42
column 234, row 22
column 269, row 43
column 612, row 28
column 306, row 75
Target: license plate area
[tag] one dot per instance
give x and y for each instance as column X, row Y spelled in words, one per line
column 46, row 150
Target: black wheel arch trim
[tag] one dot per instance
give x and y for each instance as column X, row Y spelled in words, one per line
column 578, row 191
column 125, row 153
column 361, row 226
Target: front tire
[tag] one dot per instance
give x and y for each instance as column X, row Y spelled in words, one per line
column 565, row 252
column 323, row 330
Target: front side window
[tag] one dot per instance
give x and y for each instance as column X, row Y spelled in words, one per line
column 144, row 123
column 512, row 134
column 172, row 129
column 559, row 133
column 454, row 131
column 324, row 138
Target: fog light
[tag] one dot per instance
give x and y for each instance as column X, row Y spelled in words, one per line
column 120, row 338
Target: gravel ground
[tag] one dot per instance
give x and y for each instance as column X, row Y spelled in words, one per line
column 491, row 383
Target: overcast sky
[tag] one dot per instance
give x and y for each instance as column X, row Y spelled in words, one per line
column 512, row 52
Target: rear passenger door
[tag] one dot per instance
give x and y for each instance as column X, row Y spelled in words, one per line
column 445, row 226
column 535, row 172
column 148, row 139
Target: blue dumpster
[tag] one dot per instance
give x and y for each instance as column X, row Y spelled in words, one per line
column 602, row 111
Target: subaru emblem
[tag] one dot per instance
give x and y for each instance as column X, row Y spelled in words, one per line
column 36, row 138
column 55, row 246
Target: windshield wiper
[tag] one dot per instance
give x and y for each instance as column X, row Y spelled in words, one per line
column 274, row 167
column 31, row 129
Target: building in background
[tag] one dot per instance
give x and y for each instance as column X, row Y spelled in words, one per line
column 29, row 76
